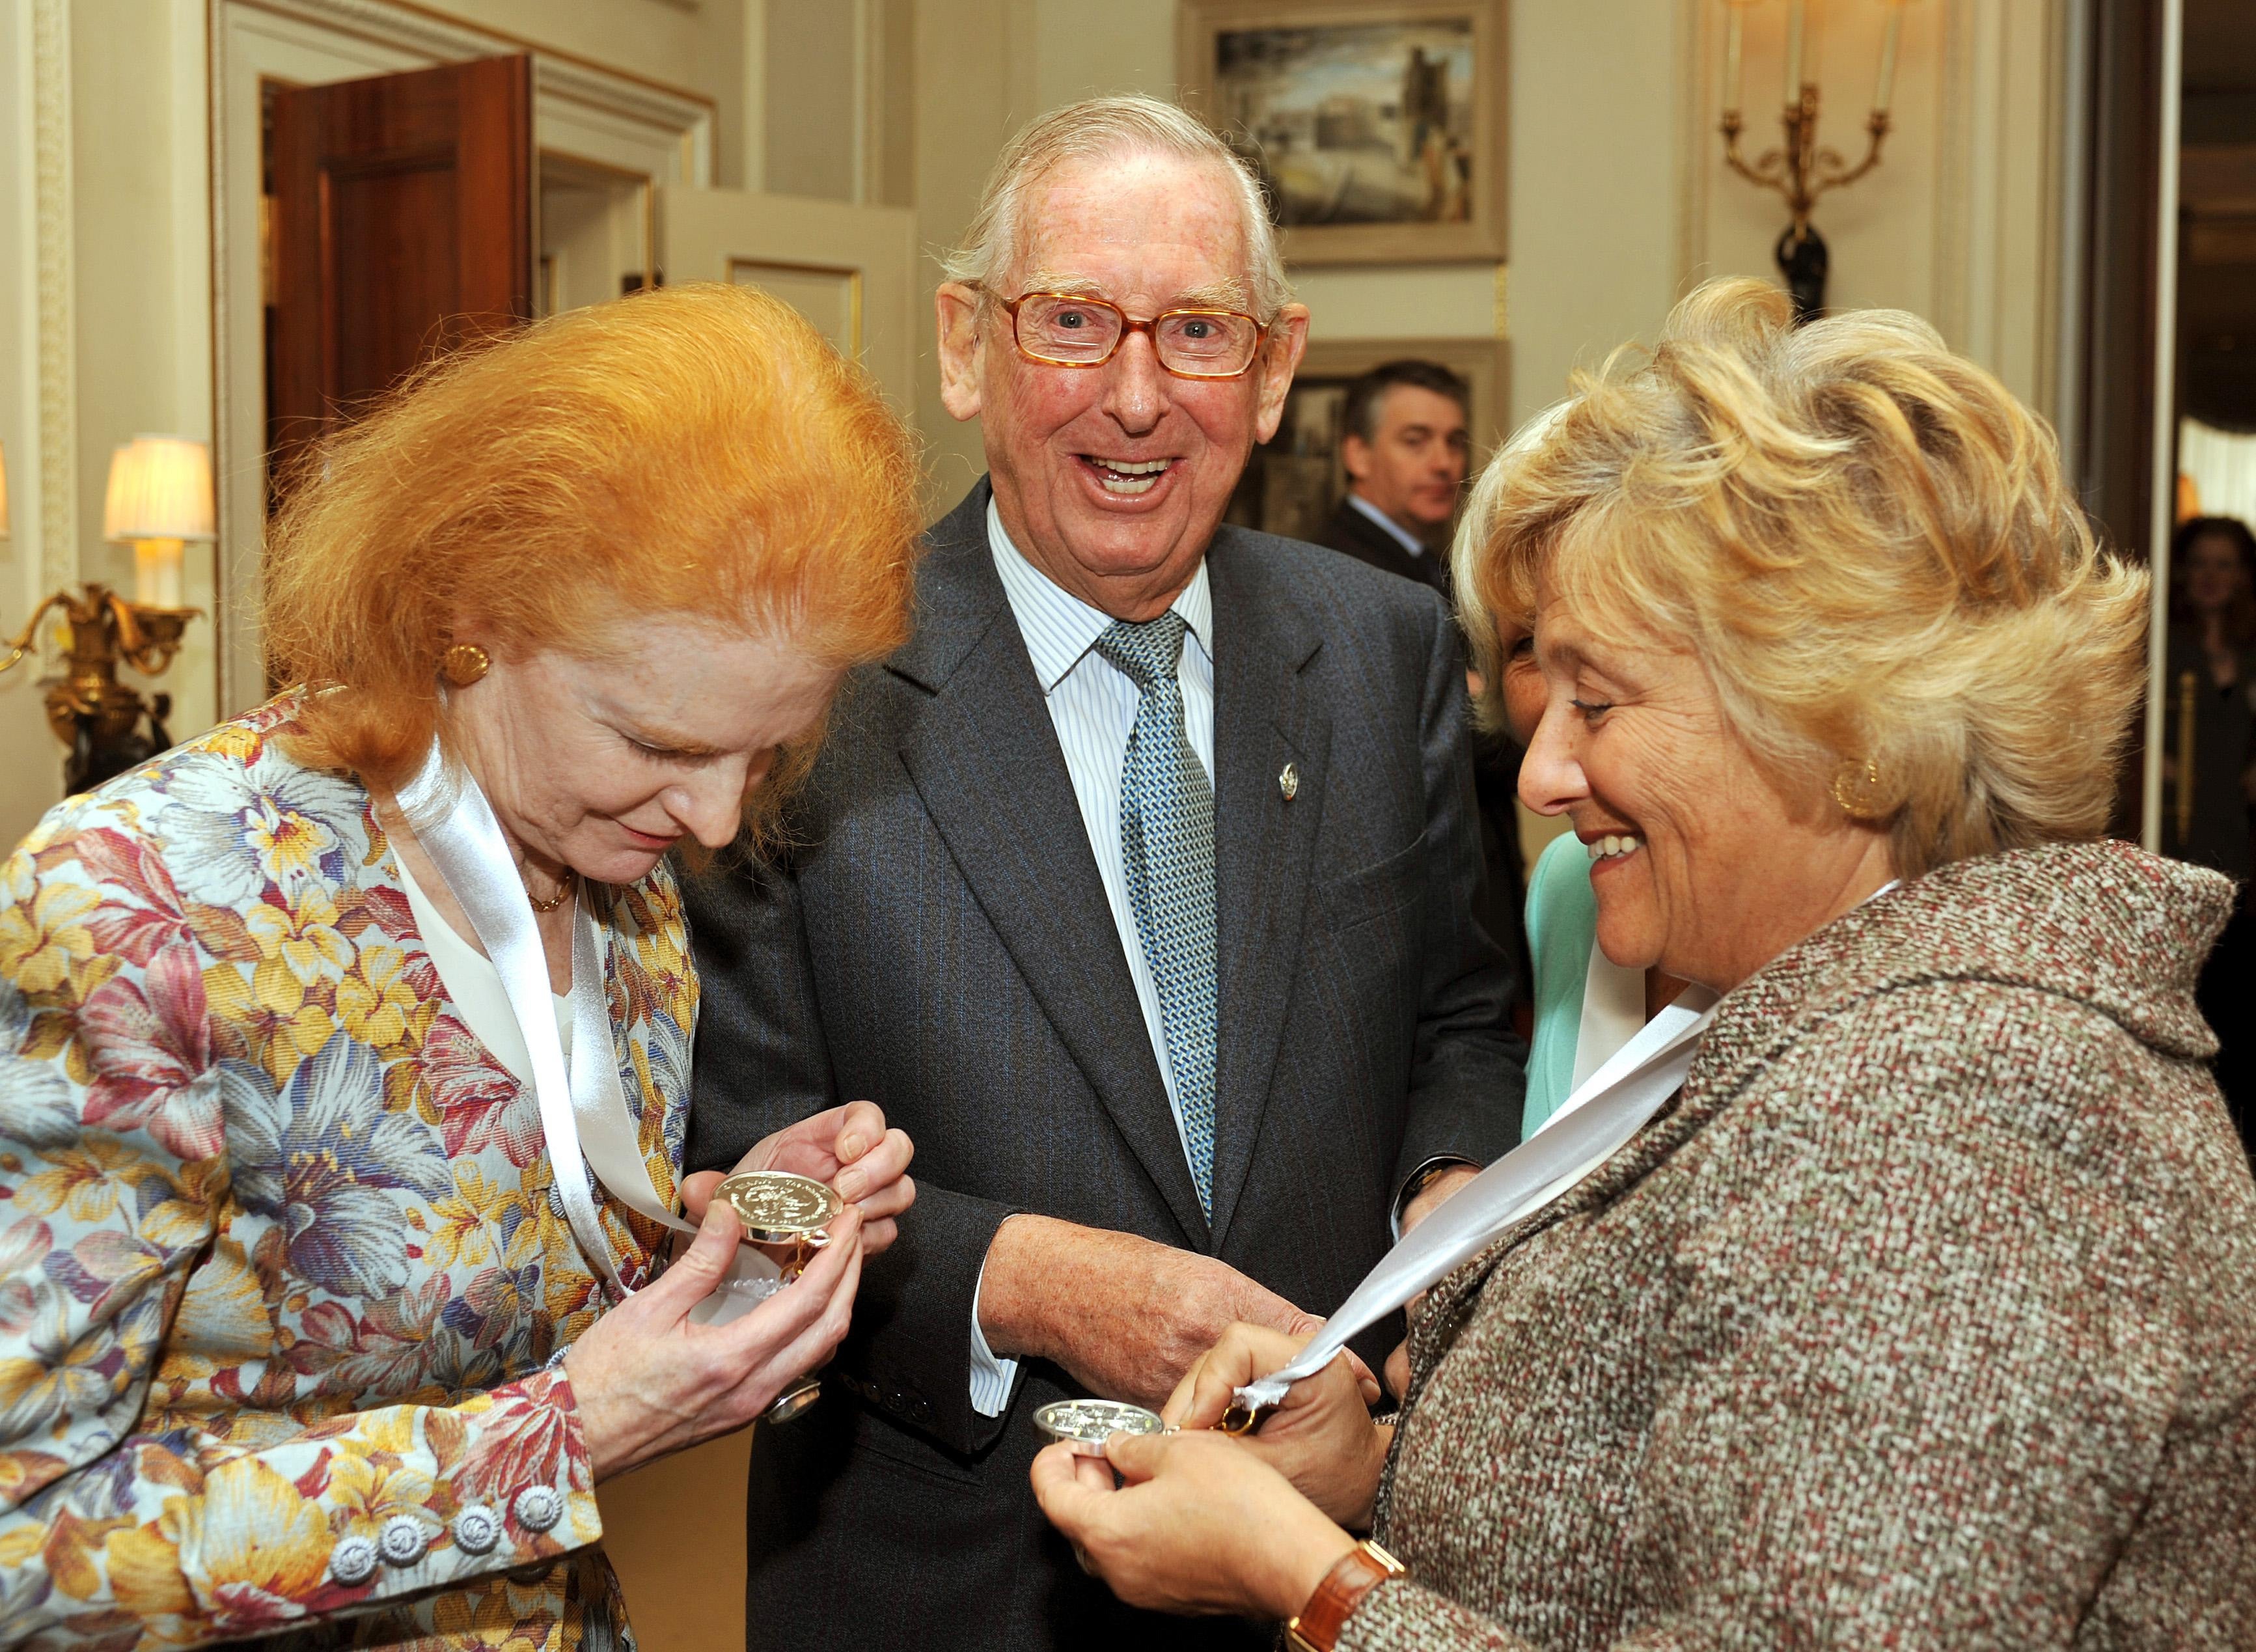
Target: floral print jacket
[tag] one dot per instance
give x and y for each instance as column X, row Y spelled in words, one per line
column 283, row 1295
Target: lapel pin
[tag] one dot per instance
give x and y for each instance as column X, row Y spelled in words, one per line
column 1288, row 782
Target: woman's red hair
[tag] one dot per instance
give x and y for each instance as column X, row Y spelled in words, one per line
column 695, row 450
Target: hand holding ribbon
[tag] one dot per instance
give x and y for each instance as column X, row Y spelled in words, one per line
column 1608, row 1110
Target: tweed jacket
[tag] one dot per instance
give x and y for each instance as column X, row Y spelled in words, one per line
column 1926, row 1318
column 280, row 1279
column 939, row 941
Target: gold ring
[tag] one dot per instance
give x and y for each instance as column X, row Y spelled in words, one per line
column 1241, row 1418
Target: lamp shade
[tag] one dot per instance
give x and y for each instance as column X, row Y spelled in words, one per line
column 160, row 488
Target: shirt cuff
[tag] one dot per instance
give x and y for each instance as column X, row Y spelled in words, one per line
column 1411, row 1189
column 991, row 1379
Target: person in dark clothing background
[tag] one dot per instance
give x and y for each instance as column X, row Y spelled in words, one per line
column 2210, row 739
column 1405, row 442
column 1403, row 439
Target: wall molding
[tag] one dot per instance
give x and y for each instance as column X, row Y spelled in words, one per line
column 58, row 359
column 2001, row 190
column 556, row 73
column 1694, row 176
column 1966, row 141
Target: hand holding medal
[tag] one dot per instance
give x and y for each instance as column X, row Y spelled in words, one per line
column 661, row 1371
column 787, row 1217
column 1175, row 1513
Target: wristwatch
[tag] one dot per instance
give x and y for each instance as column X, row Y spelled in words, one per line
column 1416, row 1185
column 1359, row 1571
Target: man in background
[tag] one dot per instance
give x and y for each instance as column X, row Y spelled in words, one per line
column 1405, row 444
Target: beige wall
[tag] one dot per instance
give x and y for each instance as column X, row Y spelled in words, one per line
column 1959, row 221
column 117, row 335
column 701, row 47
column 1618, row 196
column 143, row 262
column 27, row 755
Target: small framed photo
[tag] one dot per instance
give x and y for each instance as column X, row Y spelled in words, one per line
column 1294, row 482
column 1378, row 129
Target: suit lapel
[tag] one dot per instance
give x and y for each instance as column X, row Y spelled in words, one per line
column 1264, row 719
column 984, row 758
column 1383, row 550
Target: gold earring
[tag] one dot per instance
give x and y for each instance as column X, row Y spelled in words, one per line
column 464, row 663
column 1848, row 784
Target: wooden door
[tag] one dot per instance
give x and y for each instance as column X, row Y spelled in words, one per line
column 403, row 225
column 852, row 271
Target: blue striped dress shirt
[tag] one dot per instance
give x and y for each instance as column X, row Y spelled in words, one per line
column 1093, row 706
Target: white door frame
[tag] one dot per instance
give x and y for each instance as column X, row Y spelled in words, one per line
column 2164, row 486
column 578, row 108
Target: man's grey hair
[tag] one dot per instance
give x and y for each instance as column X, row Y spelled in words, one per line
column 1101, row 128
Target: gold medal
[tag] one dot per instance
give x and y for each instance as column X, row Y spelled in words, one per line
column 779, row 1209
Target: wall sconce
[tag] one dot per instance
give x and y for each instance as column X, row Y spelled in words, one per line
column 159, row 497
column 1802, row 171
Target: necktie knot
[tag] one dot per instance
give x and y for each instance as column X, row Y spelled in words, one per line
column 1147, row 650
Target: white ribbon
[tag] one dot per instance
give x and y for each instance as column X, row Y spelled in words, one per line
column 1590, row 1126
column 583, row 1117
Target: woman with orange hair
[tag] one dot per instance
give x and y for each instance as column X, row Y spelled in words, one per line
column 312, row 1030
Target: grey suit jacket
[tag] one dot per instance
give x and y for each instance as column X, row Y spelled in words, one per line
column 939, row 941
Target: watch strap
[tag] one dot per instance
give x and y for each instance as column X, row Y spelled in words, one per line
column 1355, row 1574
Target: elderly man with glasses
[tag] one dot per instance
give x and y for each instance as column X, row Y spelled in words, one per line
column 1136, row 887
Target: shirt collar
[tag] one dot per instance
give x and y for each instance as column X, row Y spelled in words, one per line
column 1407, row 541
column 1059, row 627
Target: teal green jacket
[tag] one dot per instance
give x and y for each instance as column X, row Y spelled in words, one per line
column 1586, row 1007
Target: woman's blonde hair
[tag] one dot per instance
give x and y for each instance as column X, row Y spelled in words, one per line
column 695, row 450
column 1866, row 541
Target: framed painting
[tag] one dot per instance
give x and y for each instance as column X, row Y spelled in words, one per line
column 1295, row 480
column 1377, row 128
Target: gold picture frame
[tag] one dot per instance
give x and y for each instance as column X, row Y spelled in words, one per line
column 1294, row 482
column 1379, row 129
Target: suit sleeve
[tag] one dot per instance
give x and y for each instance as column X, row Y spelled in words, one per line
column 762, row 1063
column 1469, row 1068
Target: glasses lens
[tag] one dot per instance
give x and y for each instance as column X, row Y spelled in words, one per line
column 1067, row 329
column 1205, row 341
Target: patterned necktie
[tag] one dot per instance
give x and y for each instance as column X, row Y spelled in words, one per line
column 1166, row 848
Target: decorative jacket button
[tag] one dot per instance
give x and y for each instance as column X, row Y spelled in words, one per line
column 401, row 1541
column 537, row 1508
column 352, row 1563
column 478, row 1529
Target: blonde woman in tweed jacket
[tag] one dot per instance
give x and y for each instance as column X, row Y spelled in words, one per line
column 1925, row 1315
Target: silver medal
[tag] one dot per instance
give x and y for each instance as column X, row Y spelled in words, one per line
column 1089, row 1423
